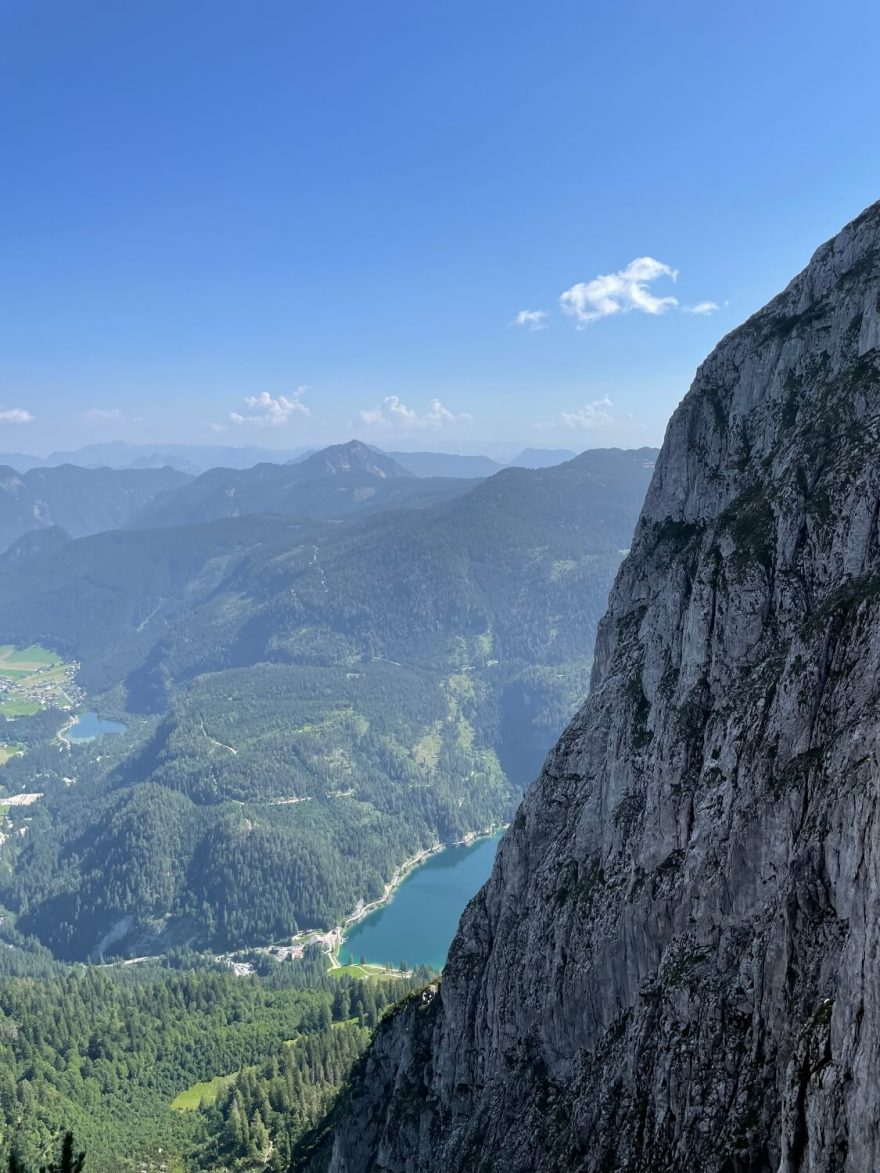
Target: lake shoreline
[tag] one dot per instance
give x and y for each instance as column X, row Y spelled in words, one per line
column 332, row 940
column 339, row 932
column 64, row 729
column 103, row 726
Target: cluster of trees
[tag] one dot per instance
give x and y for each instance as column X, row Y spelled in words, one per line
column 263, row 1113
column 105, row 1052
column 68, row 1161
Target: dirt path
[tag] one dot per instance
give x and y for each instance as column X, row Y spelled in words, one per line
column 214, row 741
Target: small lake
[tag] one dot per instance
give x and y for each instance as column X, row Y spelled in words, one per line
column 420, row 920
column 90, row 725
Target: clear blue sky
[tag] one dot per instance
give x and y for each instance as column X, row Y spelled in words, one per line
column 204, row 201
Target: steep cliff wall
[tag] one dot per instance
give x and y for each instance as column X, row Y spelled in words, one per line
column 675, row 963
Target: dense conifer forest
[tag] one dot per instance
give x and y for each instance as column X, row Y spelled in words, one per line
column 190, row 1068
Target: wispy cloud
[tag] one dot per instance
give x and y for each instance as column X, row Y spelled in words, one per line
column 265, row 411
column 392, row 413
column 16, row 415
column 591, row 417
column 104, row 415
column 702, row 307
column 531, row 319
column 619, row 293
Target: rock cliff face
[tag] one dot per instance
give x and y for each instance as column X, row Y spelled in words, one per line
column 675, row 963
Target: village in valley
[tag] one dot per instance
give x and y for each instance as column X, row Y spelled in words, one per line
column 32, row 679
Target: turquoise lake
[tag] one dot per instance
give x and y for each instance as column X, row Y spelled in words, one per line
column 90, row 725
column 418, row 923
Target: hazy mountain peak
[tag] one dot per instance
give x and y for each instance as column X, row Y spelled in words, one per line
column 353, row 456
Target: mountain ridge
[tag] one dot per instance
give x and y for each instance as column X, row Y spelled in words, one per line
column 668, row 968
column 81, row 501
column 330, row 484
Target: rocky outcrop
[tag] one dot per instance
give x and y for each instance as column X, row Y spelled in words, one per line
column 674, row 964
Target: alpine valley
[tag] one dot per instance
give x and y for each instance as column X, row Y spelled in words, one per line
column 308, row 703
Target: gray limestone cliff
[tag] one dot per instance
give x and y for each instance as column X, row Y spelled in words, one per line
column 676, row 962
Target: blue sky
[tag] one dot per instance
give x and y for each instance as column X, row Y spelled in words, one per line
column 286, row 223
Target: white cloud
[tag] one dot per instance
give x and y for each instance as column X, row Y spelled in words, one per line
column 591, row 416
column 266, row 412
column 16, row 415
column 618, row 293
column 391, row 413
column 532, row 319
column 702, row 307
column 102, row 415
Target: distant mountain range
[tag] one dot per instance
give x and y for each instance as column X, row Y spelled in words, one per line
column 189, row 458
column 198, row 458
column 327, row 485
column 309, row 702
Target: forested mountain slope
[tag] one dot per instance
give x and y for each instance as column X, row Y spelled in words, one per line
column 309, row 705
column 176, row 1066
column 333, row 483
column 673, row 965
column 79, row 500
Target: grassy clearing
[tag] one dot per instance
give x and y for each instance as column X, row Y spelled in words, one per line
column 189, row 1100
column 461, row 686
column 357, row 971
column 16, row 706
column 335, row 719
column 23, row 661
column 427, row 751
column 4, row 809
column 367, row 970
column 7, row 752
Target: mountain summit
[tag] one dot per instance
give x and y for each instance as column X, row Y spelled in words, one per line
column 673, row 966
column 330, row 484
column 354, row 456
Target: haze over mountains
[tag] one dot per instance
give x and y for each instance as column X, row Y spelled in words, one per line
column 189, row 458
column 78, row 500
column 198, row 458
column 294, row 688
column 330, row 484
